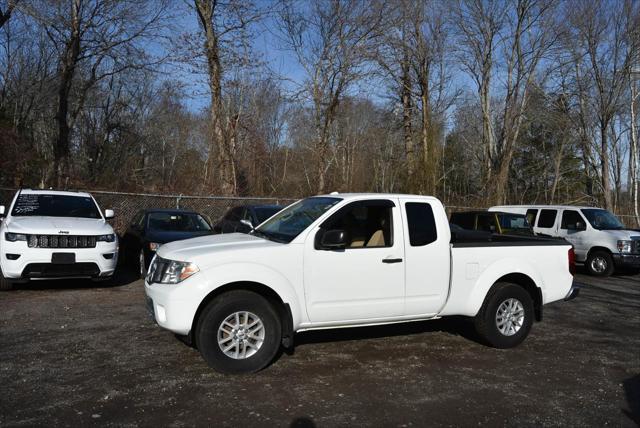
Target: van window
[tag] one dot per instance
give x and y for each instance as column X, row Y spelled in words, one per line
column 422, row 224
column 531, row 215
column 547, row 218
column 570, row 218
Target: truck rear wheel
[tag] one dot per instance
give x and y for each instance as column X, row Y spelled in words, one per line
column 506, row 316
column 599, row 263
column 239, row 332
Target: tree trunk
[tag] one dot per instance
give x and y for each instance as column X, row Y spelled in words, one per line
column 604, row 167
column 66, row 74
column 634, row 158
column 406, row 125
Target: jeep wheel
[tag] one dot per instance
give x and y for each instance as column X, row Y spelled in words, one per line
column 238, row 332
column 599, row 263
column 506, row 316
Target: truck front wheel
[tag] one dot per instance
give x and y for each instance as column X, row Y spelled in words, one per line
column 5, row 284
column 506, row 316
column 599, row 263
column 239, row 332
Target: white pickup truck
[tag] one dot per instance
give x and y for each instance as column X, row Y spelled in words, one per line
column 346, row 260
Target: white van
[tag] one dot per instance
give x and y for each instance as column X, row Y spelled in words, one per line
column 600, row 240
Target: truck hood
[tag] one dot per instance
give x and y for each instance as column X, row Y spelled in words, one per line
column 623, row 234
column 191, row 250
column 58, row 225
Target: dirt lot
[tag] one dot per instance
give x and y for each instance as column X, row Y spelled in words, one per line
column 76, row 354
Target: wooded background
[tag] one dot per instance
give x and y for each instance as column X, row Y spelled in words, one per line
column 476, row 102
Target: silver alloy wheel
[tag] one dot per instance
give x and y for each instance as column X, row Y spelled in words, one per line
column 241, row 335
column 598, row 264
column 510, row 317
column 143, row 270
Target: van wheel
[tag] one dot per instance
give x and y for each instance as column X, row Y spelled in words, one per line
column 239, row 332
column 5, row 284
column 506, row 316
column 599, row 263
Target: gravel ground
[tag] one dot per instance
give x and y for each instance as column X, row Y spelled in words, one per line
column 76, row 354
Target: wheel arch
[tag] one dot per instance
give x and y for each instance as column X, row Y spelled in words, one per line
column 598, row 248
column 283, row 309
column 529, row 286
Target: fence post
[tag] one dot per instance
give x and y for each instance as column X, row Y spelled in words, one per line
column 178, row 201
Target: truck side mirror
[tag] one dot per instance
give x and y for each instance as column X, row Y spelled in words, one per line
column 247, row 223
column 333, row 240
column 1, row 210
column 580, row 226
column 108, row 214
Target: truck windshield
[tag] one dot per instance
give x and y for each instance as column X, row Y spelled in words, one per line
column 291, row 221
column 602, row 219
column 29, row 204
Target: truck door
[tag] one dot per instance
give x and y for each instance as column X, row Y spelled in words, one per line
column 427, row 258
column 363, row 280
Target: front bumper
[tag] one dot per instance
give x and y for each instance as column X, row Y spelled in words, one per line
column 173, row 307
column 626, row 260
column 36, row 263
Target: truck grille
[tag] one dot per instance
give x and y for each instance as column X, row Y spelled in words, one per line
column 61, row 241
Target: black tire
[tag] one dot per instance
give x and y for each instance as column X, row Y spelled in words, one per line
column 5, row 284
column 218, row 311
column 486, row 321
column 599, row 263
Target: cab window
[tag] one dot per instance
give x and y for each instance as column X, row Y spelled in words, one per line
column 421, row 223
column 367, row 224
column 569, row 219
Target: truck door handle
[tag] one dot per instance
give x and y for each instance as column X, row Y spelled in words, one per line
column 391, row 260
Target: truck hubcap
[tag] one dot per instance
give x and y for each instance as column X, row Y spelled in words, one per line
column 598, row 264
column 241, row 335
column 510, row 317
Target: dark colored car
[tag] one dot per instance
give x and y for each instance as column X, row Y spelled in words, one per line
column 494, row 222
column 153, row 227
column 253, row 214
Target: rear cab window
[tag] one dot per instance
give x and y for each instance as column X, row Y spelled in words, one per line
column 531, row 216
column 421, row 224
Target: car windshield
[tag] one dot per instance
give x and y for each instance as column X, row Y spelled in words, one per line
column 29, row 204
column 291, row 221
column 263, row 213
column 602, row 219
column 177, row 222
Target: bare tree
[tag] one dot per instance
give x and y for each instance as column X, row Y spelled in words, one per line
column 6, row 11
column 330, row 40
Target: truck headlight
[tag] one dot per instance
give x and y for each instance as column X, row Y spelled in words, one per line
column 178, row 271
column 624, row 246
column 106, row 238
column 13, row 237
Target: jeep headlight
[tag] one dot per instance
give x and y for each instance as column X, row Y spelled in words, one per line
column 624, row 246
column 106, row 238
column 13, row 237
column 178, row 271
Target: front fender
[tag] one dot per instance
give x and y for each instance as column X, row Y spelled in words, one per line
column 222, row 275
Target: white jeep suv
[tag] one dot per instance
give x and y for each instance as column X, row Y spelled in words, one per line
column 49, row 234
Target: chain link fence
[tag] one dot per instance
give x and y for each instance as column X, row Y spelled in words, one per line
column 126, row 205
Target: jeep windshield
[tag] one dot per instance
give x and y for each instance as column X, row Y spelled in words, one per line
column 30, row 205
column 602, row 219
column 291, row 221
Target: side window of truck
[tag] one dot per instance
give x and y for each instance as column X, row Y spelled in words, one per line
column 547, row 218
column 570, row 218
column 421, row 224
column 531, row 216
column 368, row 224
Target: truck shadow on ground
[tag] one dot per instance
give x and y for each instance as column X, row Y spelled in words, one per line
column 632, row 392
column 121, row 278
column 455, row 325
